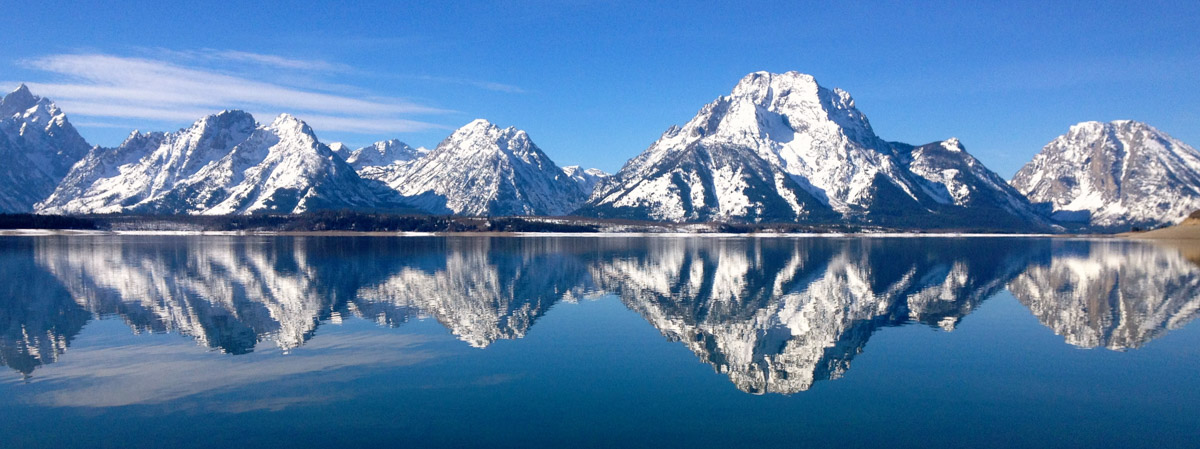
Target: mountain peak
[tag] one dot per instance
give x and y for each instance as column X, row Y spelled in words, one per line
column 133, row 135
column 952, row 144
column 291, row 124
column 1121, row 123
column 240, row 122
column 765, row 87
column 382, row 153
column 1114, row 131
column 390, row 143
column 587, row 179
column 22, row 91
column 1087, row 126
column 18, row 100
column 1134, row 125
column 233, row 113
column 286, row 119
column 228, row 117
column 761, row 80
column 799, row 101
column 478, row 129
column 478, row 123
column 488, row 135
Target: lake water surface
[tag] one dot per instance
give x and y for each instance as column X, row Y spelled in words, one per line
column 252, row 341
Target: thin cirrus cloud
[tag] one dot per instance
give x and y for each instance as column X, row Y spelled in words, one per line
column 274, row 61
column 487, row 85
column 115, row 87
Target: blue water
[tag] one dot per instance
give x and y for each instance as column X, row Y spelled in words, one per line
column 213, row 341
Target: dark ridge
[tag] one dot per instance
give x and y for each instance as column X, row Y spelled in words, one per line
column 32, row 221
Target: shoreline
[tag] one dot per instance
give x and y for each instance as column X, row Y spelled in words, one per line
column 613, row 234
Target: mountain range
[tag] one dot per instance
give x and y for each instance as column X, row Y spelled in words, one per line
column 225, row 163
column 779, row 148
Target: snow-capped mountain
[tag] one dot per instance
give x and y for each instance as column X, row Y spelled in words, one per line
column 225, row 163
column 587, row 179
column 387, row 152
column 1114, row 176
column 38, row 146
column 482, row 169
column 780, row 146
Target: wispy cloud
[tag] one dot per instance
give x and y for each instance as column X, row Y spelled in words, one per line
column 109, row 86
column 266, row 60
column 487, row 85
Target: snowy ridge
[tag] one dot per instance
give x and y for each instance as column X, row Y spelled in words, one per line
column 225, row 163
column 587, row 179
column 1115, row 175
column 38, row 146
column 383, row 153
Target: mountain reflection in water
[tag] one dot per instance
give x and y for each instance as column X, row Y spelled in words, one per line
column 773, row 314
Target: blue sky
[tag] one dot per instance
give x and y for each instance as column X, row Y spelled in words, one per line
column 595, row 83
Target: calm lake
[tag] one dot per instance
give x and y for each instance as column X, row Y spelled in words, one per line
column 253, row 341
